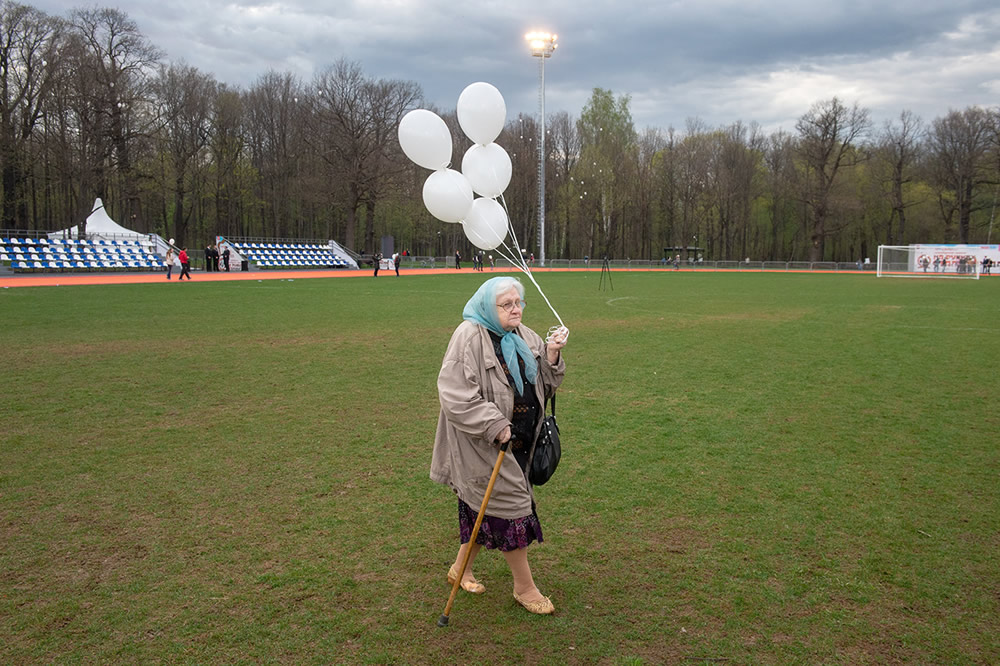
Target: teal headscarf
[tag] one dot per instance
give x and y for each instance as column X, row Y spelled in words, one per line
column 482, row 309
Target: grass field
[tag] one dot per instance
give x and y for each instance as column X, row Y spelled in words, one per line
column 757, row 469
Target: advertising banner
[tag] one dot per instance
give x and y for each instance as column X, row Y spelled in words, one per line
column 951, row 258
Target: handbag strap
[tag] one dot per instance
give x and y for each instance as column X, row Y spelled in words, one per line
column 553, row 399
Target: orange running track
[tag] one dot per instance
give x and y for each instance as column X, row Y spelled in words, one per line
column 68, row 279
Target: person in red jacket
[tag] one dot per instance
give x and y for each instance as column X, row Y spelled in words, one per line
column 185, row 264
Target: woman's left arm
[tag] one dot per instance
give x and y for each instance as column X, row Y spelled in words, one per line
column 554, row 346
column 553, row 366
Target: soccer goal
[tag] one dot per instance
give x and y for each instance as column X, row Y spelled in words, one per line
column 935, row 261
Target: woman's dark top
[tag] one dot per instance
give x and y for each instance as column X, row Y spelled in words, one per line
column 526, row 409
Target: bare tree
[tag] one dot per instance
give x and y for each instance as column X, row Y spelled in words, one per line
column 897, row 154
column 275, row 135
column 958, row 145
column 184, row 99
column 520, row 140
column 734, row 176
column 828, row 134
column 388, row 101
column 29, row 52
column 356, row 121
column 649, row 145
column 995, row 152
column 781, row 186
column 227, row 144
column 565, row 151
column 692, row 167
column 114, row 64
column 607, row 138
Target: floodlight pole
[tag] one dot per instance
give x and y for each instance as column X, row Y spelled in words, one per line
column 542, row 46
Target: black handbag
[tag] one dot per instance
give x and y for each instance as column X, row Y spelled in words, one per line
column 547, row 450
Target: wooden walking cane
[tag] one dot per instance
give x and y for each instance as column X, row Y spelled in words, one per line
column 443, row 620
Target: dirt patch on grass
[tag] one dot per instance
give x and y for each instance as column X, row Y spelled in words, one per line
column 778, row 317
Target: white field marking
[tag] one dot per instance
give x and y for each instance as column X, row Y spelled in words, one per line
column 620, row 298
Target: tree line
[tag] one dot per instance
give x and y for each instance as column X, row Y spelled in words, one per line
column 89, row 108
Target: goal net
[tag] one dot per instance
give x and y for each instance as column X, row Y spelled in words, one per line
column 937, row 261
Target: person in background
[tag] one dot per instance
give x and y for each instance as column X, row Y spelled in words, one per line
column 395, row 262
column 215, row 258
column 458, row 261
column 225, row 257
column 169, row 261
column 185, row 264
column 377, row 261
column 494, row 379
column 208, row 258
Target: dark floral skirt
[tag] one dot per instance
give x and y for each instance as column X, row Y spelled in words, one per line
column 500, row 533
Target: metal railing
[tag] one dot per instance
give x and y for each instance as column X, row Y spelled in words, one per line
column 499, row 263
column 419, row 261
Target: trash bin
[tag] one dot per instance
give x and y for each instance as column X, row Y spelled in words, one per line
column 244, row 265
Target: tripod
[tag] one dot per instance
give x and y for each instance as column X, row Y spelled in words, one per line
column 606, row 269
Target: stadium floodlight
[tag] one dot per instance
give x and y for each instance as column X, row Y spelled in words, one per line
column 542, row 45
column 935, row 261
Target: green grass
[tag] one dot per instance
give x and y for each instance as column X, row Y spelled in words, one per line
column 763, row 469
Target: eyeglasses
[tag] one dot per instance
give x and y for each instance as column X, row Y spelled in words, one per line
column 508, row 307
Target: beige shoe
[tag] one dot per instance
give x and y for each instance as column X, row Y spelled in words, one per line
column 541, row 607
column 473, row 586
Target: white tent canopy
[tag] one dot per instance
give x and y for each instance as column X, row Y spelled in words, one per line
column 100, row 225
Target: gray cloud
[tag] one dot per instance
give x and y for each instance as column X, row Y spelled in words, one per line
column 718, row 61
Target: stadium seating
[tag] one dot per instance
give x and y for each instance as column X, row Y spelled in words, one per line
column 70, row 254
column 289, row 255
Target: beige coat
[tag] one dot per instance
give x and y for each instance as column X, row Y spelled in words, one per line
column 477, row 403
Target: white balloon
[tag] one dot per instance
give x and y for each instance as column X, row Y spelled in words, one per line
column 448, row 195
column 481, row 112
column 425, row 139
column 486, row 224
column 488, row 169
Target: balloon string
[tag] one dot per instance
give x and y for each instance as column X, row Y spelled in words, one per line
column 520, row 263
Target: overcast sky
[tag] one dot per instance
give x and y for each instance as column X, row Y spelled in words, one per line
column 766, row 61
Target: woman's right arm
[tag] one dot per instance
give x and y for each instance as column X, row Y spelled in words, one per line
column 462, row 400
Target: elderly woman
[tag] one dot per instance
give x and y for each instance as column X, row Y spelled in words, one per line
column 493, row 382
